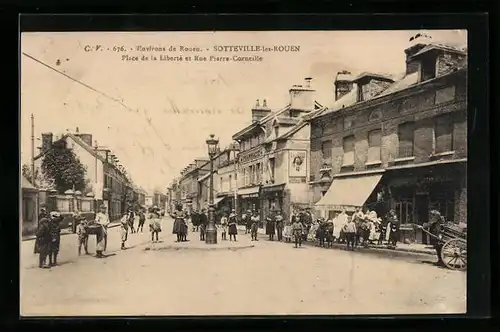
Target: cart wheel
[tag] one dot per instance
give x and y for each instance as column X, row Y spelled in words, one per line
column 454, row 254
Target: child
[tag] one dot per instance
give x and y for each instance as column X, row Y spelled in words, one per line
column 223, row 224
column 297, row 229
column 254, row 227
column 124, row 223
column 142, row 220
column 83, row 237
column 350, row 233
column 154, row 225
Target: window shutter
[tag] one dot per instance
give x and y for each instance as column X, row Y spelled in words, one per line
column 406, row 137
column 374, row 142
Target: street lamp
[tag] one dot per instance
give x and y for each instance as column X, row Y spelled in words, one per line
column 211, row 231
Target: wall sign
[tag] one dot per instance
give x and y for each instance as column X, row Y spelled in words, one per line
column 298, row 164
column 297, row 180
column 251, row 156
column 256, row 195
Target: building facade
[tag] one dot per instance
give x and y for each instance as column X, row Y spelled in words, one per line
column 189, row 186
column 272, row 166
column 107, row 180
column 399, row 144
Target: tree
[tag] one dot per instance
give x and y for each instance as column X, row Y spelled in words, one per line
column 41, row 180
column 61, row 165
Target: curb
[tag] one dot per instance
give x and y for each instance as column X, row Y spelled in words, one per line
column 207, row 248
column 64, row 232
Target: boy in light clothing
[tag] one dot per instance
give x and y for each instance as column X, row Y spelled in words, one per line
column 83, row 237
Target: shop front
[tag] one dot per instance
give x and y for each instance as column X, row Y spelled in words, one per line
column 416, row 191
column 272, row 199
column 249, row 199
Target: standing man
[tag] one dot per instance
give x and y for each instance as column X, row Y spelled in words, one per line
column 142, row 220
column 42, row 241
column 255, row 225
column 279, row 224
column 102, row 219
column 55, row 237
column 131, row 220
column 124, row 223
column 297, row 229
column 434, row 226
column 42, row 215
column 203, row 224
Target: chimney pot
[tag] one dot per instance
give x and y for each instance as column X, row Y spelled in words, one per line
column 77, row 130
column 308, row 81
column 264, row 103
column 257, row 104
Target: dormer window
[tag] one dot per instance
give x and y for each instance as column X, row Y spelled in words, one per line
column 360, row 92
column 428, row 68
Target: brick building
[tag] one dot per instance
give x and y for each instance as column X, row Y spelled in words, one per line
column 399, row 144
column 272, row 163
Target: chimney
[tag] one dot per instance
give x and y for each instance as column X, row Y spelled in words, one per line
column 416, row 43
column 343, row 84
column 258, row 111
column 301, row 97
column 87, row 138
column 77, row 131
column 47, row 139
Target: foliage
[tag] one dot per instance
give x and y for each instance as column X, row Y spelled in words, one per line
column 64, row 168
column 41, row 180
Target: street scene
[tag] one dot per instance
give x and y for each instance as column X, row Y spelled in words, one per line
column 258, row 176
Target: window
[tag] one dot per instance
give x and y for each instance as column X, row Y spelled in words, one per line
column 221, row 186
column 276, row 131
column 444, row 95
column 259, row 173
column 404, row 211
column 374, row 143
column 28, row 209
column 271, row 168
column 230, row 182
column 443, row 134
column 406, row 137
column 348, row 121
column 428, row 68
column 348, row 146
column 326, row 149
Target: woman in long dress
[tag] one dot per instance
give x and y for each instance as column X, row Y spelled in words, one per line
column 233, row 229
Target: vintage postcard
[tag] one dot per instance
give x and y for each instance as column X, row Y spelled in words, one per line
column 243, row 173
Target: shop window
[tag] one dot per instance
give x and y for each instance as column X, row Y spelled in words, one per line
column 326, row 149
column 406, row 133
column 374, row 143
column 348, row 146
column 404, row 211
column 443, row 134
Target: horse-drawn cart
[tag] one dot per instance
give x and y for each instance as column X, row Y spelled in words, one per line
column 454, row 245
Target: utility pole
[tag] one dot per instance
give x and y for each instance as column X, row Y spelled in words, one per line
column 33, row 150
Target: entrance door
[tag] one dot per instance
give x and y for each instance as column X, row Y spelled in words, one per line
column 422, row 213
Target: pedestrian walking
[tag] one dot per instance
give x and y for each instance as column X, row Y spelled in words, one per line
column 43, row 240
column 270, row 227
column 279, row 220
column 223, row 224
column 434, row 226
column 155, row 225
column 83, row 237
column 232, row 226
column 55, row 237
column 203, row 224
column 297, row 229
column 350, row 233
column 131, row 220
column 124, row 226
column 102, row 220
column 142, row 220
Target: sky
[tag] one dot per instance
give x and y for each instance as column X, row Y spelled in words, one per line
column 128, row 105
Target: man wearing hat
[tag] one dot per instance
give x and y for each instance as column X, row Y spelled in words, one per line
column 434, row 226
column 279, row 224
column 55, row 237
column 203, row 224
column 42, row 215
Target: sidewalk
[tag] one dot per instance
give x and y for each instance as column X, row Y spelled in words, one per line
column 415, row 248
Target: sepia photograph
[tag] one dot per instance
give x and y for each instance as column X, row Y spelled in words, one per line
column 204, row 173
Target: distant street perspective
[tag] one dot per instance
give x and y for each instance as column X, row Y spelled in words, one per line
column 167, row 177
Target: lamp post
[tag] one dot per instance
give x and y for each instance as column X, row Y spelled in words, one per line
column 211, row 231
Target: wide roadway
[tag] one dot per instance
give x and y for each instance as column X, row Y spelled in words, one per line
column 271, row 278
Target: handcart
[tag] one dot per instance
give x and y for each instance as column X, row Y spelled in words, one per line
column 454, row 245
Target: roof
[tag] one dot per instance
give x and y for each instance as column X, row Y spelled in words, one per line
column 439, row 46
column 301, row 124
column 260, row 122
column 287, row 120
column 402, row 84
column 26, row 184
column 344, row 77
column 346, row 100
column 373, row 75
column 204, row 177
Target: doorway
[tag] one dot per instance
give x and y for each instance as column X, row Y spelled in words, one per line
column 422, row 214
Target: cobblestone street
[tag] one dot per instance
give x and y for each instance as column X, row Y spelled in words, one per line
column 271, row 278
